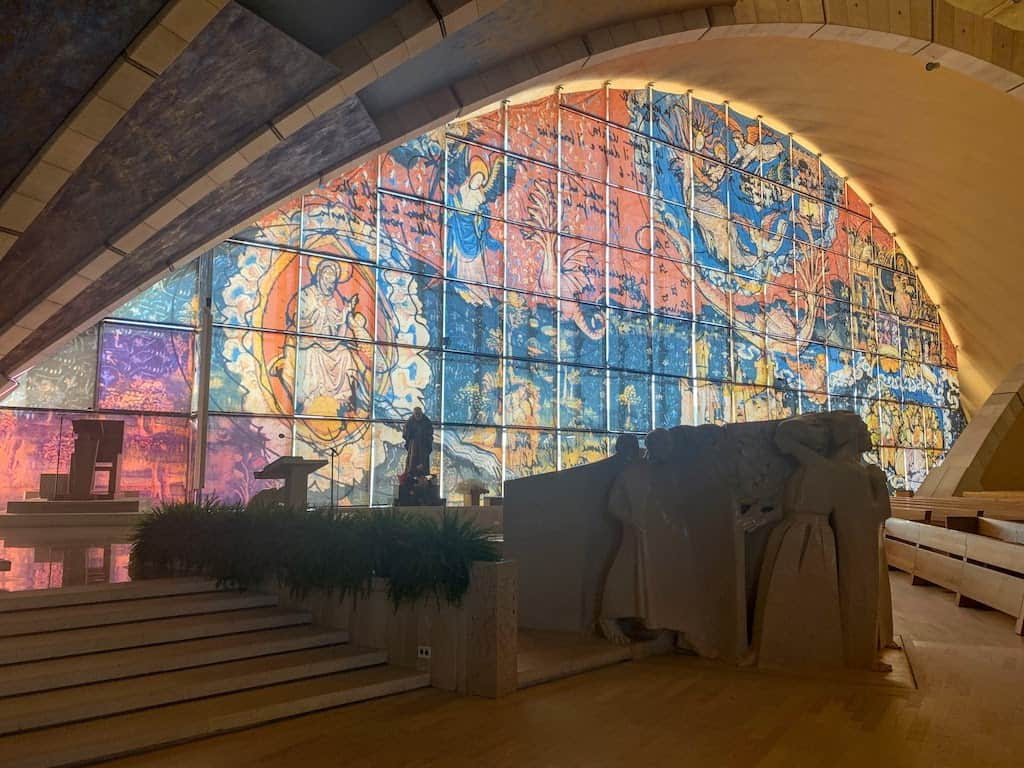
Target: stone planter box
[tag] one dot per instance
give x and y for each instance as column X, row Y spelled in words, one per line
column 472, row 646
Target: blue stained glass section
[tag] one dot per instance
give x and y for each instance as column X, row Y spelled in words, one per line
column 630, row 401
column 472, row 389
column 673, row 344
column 581, row 394
column 711, row 352
column 582, row 329
column 629, row 340
column 473, row 318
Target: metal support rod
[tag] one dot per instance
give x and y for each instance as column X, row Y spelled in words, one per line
column 205, row 352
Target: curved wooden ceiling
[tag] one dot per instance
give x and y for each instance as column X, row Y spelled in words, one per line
column 940, row 153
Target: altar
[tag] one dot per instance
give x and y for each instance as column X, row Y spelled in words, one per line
column 91, row 483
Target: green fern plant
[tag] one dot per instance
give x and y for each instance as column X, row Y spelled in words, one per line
column 322, row 551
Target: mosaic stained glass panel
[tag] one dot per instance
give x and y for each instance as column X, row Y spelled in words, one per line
column 538, row 279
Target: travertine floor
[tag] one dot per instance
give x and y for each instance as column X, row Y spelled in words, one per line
column 674, row 710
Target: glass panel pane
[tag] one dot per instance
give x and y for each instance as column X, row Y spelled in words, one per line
column 583, row 207
column 532, row 255
column 350, row 441
column 629, row 279
column 530, row 326
column 578, row 448
column 476, row 182
column 673, row 343
column 673, row 401
column 529, row 394
column 629, row 340
column 630, row 396
column 254, row 287
column 533, row 129
column 252, row 372
column 581, row 397
column 472, row 389
column 473, row 318
column 529, row 452
column 336, row 299
column 238, row 446
column 172, row 300
column 340, row 218
column 582, row 333
column 416, row 167
column 147, row 369
column 410, row 236
column 406, row 378
column 333, row 377
column 471, row 453
column 533, row 195
column 64, row 379
column 408, row 309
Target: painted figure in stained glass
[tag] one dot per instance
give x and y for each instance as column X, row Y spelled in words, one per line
column 333, row 373
column 470, row 241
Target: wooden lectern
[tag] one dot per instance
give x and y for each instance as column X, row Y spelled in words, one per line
column 98, row 446
column 295, row 471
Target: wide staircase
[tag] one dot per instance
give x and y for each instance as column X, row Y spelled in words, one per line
column 93, row 672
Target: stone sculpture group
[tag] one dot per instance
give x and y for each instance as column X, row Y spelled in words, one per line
column 752, row 542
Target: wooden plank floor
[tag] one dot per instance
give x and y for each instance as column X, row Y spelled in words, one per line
column 680, row 711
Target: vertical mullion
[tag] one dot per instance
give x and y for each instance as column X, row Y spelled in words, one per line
column 695, row 387
column 650, row 242
column 504, row 359
column 205, row 288
column 607, row 270
column 730, row 279
column 444, row 299
column 558, row 274
column 372, row 472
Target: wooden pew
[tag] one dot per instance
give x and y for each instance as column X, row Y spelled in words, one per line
column 937, row 509
column 981, row 560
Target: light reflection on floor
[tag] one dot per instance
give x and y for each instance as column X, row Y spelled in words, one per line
column 54, row 558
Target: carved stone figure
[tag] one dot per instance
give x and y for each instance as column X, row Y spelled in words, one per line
column 797, row 621
column 677, row 540
column 823, row 596
column 675, row 567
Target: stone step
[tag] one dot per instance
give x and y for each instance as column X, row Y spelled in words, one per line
column 72, row 617
column 102, row 593
column 74, row 642
column 150, row 728
column 46, row 675
column 85, row 702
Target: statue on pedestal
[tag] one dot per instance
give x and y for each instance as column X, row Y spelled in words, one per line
column 417, row 486
column 418, row 434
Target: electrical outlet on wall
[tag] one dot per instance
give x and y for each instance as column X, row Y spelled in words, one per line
column 423, row 652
